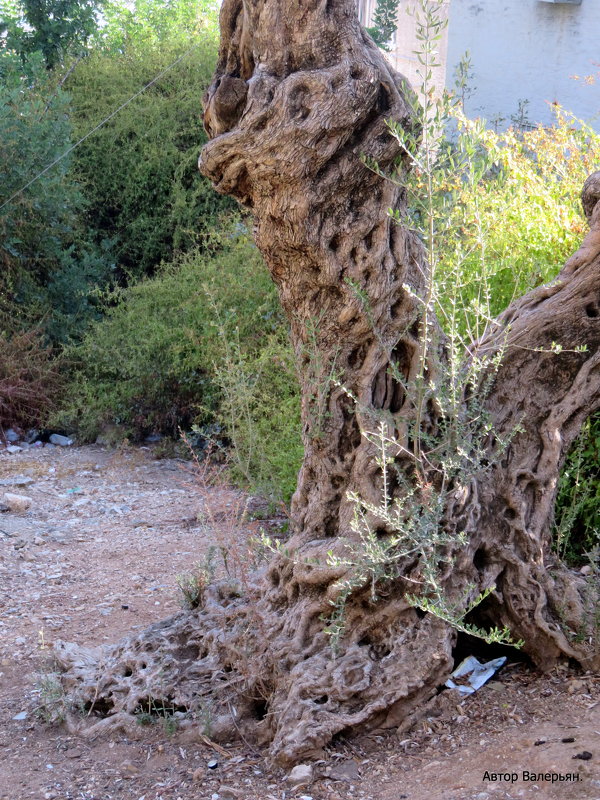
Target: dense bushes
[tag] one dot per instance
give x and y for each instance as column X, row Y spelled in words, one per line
column 127, row 197
column 259, row 406
column 49, row 267
column 202, row 341
column 29, row 380
column 516, row 220
column 139, row 171
column 516, row 215
column 205, row 340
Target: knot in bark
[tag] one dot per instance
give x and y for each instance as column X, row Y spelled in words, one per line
column 225, row 106
column 590, row 195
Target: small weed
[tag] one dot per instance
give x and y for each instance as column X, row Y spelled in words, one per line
column 205, row 715
column 319, row 376
column 192, row 585
column 152, row 709
column 225, row 526
column 144, row 718
column 577, row 510
column 169, row 724
column 208, row 467
column 53, row 705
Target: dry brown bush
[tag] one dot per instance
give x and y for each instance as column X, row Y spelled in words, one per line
column 29, row 379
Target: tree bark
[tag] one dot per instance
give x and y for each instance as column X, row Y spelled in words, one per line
column 299, row 95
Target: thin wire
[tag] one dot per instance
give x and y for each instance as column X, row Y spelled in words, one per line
column 100, row 124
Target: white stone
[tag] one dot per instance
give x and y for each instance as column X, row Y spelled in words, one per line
column 61, row 441
column 301, row 774
column 17, row 502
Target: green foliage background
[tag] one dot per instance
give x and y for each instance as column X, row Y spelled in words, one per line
column 516, row 217
column 139, row 171
column 50, row 268
column 202, row 342
column 509, row 224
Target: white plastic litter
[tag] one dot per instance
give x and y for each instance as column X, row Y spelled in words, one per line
column 476, row 673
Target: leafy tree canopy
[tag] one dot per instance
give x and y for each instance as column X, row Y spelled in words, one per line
column 53, row 28
column 127, row 25
column 385, row 22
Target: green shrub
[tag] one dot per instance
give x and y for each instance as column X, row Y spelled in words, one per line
column 127, row 197
column 518, row 213
column 520, row 219
column 577, row 525
column 139, row 171
column 506, row 216
column 192, row 345
column 49, row 266
column 259, row 407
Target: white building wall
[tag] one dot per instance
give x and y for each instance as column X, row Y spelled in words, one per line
column 527, row 50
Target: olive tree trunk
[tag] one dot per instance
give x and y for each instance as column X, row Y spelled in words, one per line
column 300, row 94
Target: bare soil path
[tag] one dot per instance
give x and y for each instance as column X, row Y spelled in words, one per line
column 97, row 555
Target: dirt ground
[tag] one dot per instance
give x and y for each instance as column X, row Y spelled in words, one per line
column 97, row 555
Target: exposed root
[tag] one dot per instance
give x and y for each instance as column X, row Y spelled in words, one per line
column 233, row 664
column 236, row 667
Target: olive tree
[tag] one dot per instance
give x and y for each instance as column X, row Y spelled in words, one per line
column 382, row 531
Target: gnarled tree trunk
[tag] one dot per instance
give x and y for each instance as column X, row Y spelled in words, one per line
column 300, row 93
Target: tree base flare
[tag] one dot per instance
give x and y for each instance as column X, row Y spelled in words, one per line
column 255, row 669
column 234, row 667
